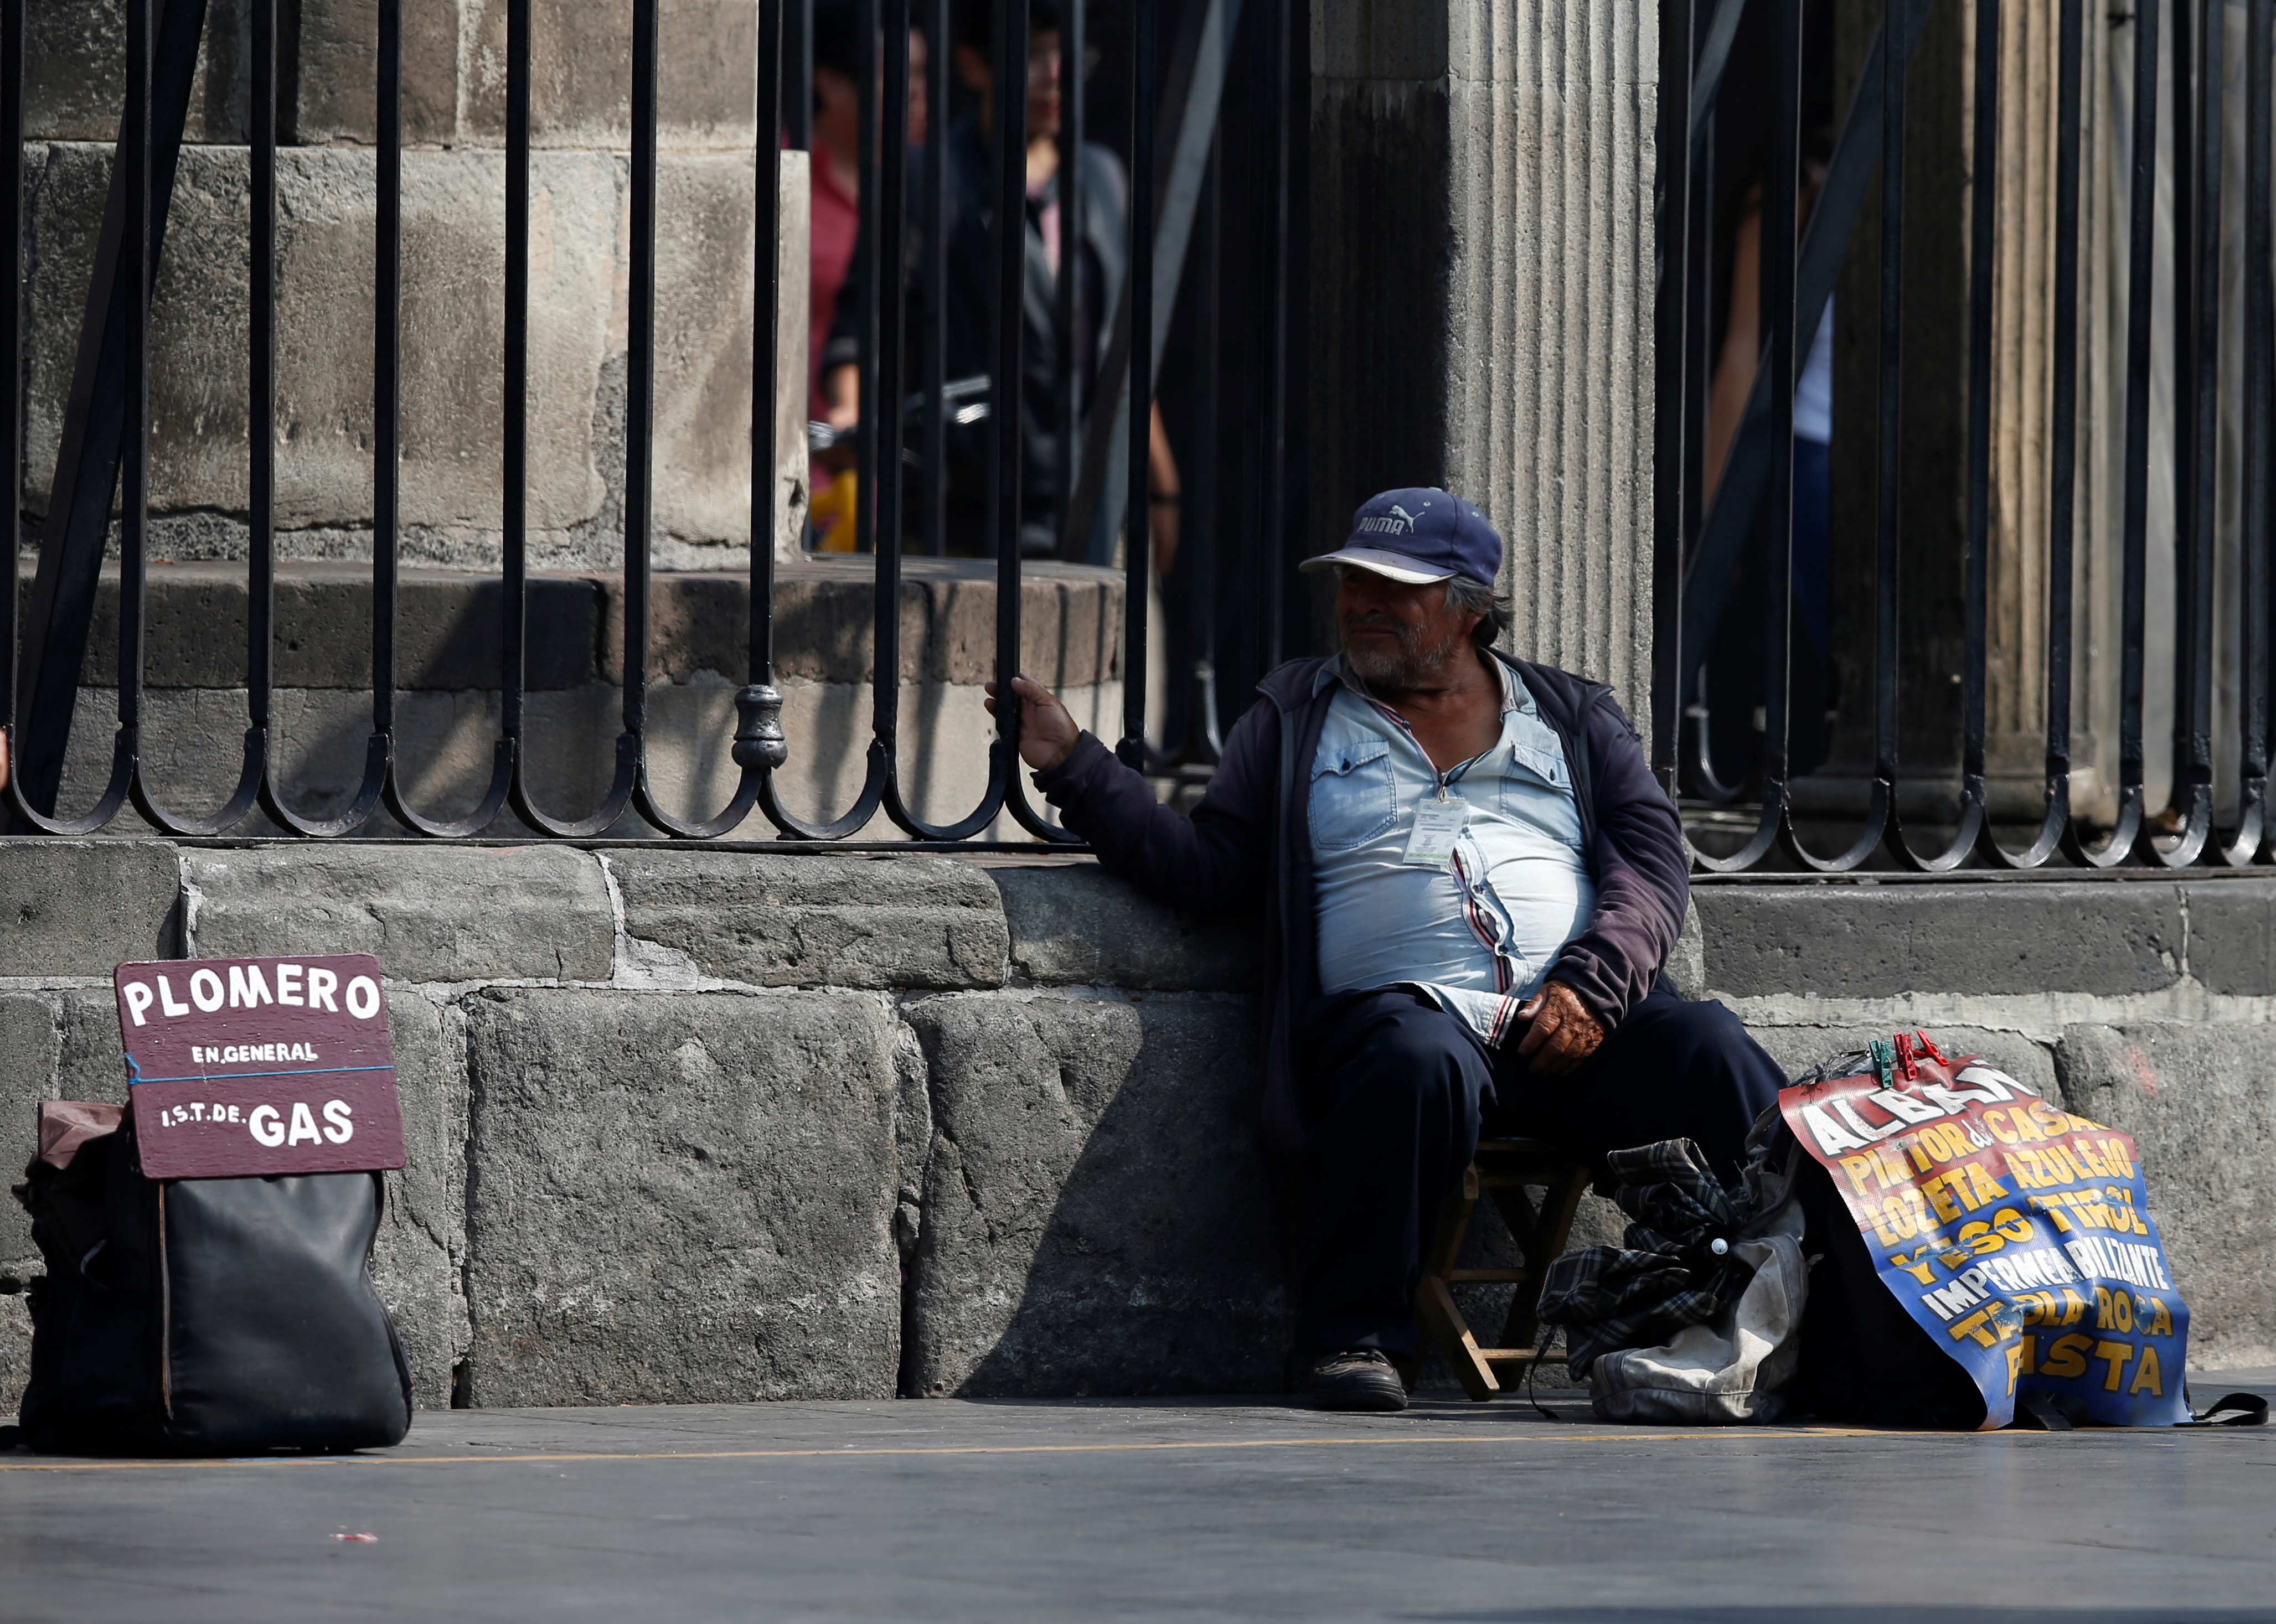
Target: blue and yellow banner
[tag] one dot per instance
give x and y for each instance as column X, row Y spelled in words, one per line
column 2019, row 1236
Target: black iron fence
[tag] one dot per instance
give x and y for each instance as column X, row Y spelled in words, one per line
column 1936, row 634
column 1204, row 236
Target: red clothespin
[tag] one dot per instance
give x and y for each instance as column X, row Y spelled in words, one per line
column 1930, row 1049
column 1907, row 1062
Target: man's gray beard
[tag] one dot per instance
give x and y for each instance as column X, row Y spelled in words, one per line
column 1413, row 664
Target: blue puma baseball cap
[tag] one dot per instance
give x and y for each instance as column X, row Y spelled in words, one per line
column 1416, row 536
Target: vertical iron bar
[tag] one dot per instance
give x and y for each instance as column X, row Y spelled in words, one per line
column 12, row 361
column 640, row 381
column 145, row 216
column 759, row 742
column 760, row 746
column 2056, row 828
column 387, row 404
column 1699, row 373
column 2187, row 207
column 1006, row 400
column 1138, row 530
column 2135, row 516
column 766, row 359
column 639, row 425
column 512, row 758
column 798, row 65
column 1984, row 206
column 515, row 460
column 1775, row 552
column 1880, row 812
column 880, row 271
column 2259, row 243
column 1780, row 236
column 260, row 428
column 387, row 471
column 1006, row 406
column 2193, row 705
column 1974, row 830
column 887, row 177
column 1204, row 739
column 1887, row 490
column 890, row 178
column 1273, row 541
column 1006, row 414
column 1067, row 312
column 1698, row 328
column 1672, row 418
column 933, row 453
column 261, row 375
column 134, row 443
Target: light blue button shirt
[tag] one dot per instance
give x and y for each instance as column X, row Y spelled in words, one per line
column 1480, row 935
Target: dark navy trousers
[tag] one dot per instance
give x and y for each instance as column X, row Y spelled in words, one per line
column 1402, row 1091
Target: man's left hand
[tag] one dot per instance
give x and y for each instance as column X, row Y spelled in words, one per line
column 1560, row 1031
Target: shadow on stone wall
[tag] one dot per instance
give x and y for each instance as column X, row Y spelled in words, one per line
column 1097, row 1213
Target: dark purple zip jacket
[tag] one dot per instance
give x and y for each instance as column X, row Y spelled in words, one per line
column 1248, row 845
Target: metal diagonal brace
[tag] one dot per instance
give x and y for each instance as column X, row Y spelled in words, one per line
column 62, row 609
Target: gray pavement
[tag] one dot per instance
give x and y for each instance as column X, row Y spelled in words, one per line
column 1137, row 1508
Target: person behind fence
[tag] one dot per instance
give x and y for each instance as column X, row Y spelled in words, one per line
column 964, row 329
column 833, row 226
column 1471, row 882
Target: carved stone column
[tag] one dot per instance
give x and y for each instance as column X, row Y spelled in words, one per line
column 1481, row 271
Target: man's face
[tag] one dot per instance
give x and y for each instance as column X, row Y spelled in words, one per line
column 1043, row 81
column 1398, row 638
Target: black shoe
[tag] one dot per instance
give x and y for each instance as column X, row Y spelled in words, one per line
column 1357, row 1378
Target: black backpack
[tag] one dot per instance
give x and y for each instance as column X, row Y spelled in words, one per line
column 201, row 1316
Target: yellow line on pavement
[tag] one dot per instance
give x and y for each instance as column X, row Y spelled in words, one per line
column 851, row 1453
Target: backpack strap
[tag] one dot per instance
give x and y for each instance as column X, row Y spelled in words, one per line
column 2235, row 1409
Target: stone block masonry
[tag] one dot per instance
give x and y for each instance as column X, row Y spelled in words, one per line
column 680, row 1198
column 708, row 1125
column 1092, row 1217
column 703, row 1125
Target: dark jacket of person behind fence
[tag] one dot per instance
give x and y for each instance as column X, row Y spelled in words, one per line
column 966, row 330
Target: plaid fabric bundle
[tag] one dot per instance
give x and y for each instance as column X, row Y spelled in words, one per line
column 1668, row 1275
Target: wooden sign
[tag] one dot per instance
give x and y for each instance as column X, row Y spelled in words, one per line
column 246, row 1066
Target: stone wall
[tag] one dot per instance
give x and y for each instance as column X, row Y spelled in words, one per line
column 706, row 1125
column 711, row 1124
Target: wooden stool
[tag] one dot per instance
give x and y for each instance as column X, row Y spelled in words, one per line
column 1504, row 1169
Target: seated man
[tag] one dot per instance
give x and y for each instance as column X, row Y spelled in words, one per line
column 1470, row 880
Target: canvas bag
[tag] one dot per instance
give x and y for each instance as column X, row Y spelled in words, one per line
column 201, row 1316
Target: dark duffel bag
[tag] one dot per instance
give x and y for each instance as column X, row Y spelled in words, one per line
column 201, row 1316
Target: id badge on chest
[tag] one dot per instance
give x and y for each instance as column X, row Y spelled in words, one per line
column 1438, row 825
